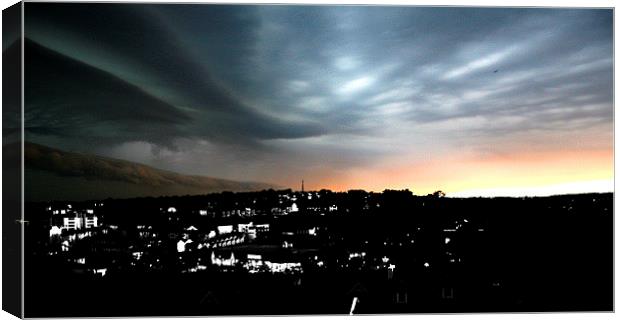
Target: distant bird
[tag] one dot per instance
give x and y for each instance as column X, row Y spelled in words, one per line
column 495, row 70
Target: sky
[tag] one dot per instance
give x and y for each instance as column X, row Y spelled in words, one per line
column 471, row 101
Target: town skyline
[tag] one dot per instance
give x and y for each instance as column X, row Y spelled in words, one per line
column 320, row 252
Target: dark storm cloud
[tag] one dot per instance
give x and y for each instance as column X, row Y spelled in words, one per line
column 354, row 84
column 67, row 97
column 137, row 44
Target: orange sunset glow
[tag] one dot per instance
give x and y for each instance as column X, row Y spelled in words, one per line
column 532, row 174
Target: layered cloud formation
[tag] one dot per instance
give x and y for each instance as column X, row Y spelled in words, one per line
column 53, row 174
column 343, row 96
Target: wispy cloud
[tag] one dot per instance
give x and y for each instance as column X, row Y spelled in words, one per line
column 281, row 89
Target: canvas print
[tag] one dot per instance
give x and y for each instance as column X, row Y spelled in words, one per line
column 225, row 159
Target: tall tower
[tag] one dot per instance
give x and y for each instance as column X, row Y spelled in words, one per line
column 302, row 199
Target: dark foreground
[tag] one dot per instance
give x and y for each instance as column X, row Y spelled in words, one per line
column 391, row 252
